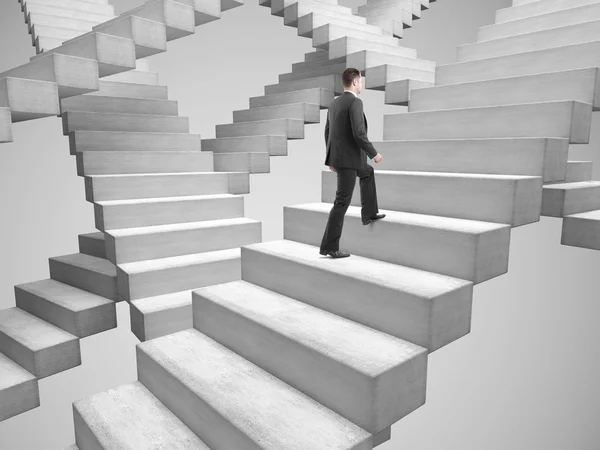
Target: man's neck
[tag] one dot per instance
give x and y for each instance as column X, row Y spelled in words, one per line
column 348, row 90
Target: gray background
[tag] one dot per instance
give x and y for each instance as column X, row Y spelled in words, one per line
column 526, row 377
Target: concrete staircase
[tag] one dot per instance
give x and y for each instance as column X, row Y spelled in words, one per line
column 267, row 345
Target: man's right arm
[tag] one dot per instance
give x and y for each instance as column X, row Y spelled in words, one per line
column 327, row 128
column 359, row 130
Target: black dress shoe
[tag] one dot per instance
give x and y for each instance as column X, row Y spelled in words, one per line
column 372, row 218
column 334, row 253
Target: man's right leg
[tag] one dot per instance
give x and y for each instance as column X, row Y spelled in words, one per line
column 346, row 179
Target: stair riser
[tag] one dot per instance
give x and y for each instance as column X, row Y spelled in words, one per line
column 560, row 203
column 87, row 6
column 96, row 283
column 533, row 157
column 453, row 254
column 64, row 12
column 120, row 250
column 273, row 144
column 378, row 77
column 537, row 8
column 293, row 129
column 582, row 85
column 326, row 33
column 363, row 60
column 122, row 106
column 112, row 217
column 83, row 121
column 105, row 163
column 400, row 314
column 321, row 97
column 335, row 385
column 304, row 112
column 278, row 6
column 307, row 23
column 18, row 399
column 80, row 323
column 175, row 279
column 162, row 323
column 528, row 63
column 399, row 92
column 559, row 19
column 540, row 40
column 91, row 246
column 130, row 90
column 29, row 99
column 346, row 46
column 331, row 82
column 39, row 31
column 581, row 233
column 293, row 12
column 46, row 44
column 336, row 69
column 242, row 162
column 149, row 37
column 563, row 119
column 86, row 141
column 309, row 66
column 48, row 20
column 135, row 77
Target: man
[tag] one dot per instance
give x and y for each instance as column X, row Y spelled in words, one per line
column 347, row 150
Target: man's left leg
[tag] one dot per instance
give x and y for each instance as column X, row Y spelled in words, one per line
column 368, row 192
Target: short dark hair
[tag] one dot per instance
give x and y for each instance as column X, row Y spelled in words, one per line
column 349, row 75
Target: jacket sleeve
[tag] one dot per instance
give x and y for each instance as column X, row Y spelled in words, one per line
column 327, row 128
column 359, row 130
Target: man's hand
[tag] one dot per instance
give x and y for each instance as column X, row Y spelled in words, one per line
column 332, row 168
column 377, row 158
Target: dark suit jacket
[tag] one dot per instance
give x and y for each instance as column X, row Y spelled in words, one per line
column 346, row 133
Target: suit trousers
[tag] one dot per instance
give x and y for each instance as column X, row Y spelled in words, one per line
column 346, row 180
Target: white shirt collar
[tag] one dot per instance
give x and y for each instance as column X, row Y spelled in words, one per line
column 346, row 90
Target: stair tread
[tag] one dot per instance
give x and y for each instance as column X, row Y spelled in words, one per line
column 109, row 413
column 366, row 350
column 89, row 262
column 413, row 281
column 64, row 295
column 179, row 261
column 591, row 215
column 137, row 231
column 12, row 373
column 153, row 174
column 263, row 407
column 164, row 199
column 163, row 302
column 34, row 333
column 454, row 175
column 419, row 220
column 573, row 185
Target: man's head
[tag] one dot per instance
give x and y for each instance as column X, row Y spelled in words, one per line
column 352, row 80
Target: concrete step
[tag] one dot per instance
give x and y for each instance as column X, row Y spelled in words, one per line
column 378, row 77
column 76, row 311
column 275, row 145
column 536, row 40
column 402, row 12
column 39, row 347
column 149, row 36
column 123, row 105
column 149, row 185
column 542, row 22
column 92, row 244
column 105, row 141
column 306, row 112
column 205, row 11
column 73, row 75
column 113, row 53
column 110, row 121
column 406, row 305
column 345, row 46
column 132, row 162
column 308, row 22
column 178, row 18
column 582, row 230
column 19, row 390
column 89, row 273
column 156, row 277
column 330, row 69
column 227, row 414
column 567, row 57
column 564, row 199
column 278, row 6
column 337, row 362
column 52, row 20
column 130, row 90
column 46, row 44
column 319, row 63
column 294, row 11
column 581, row 85
column 292, row 128
column 564, row 119
column 329, row 82
column 29, row 99
column 365, row 59
column 164, row 241
column 399, row 92
column 322, row 97
column 5, row 125
column 576, row 171
column 32, row 7
column 134, row 76
column 544, row 157
column 436, row 244
column 76, row 5
column 250, row 162
column 113, row 215
column 152, row 317
column 321, row 36
column 391, row 25
column 56, row 32
column 99, row 421
column 537, row 9
column 229, row 4
column 316, row 54
column 507, row 199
